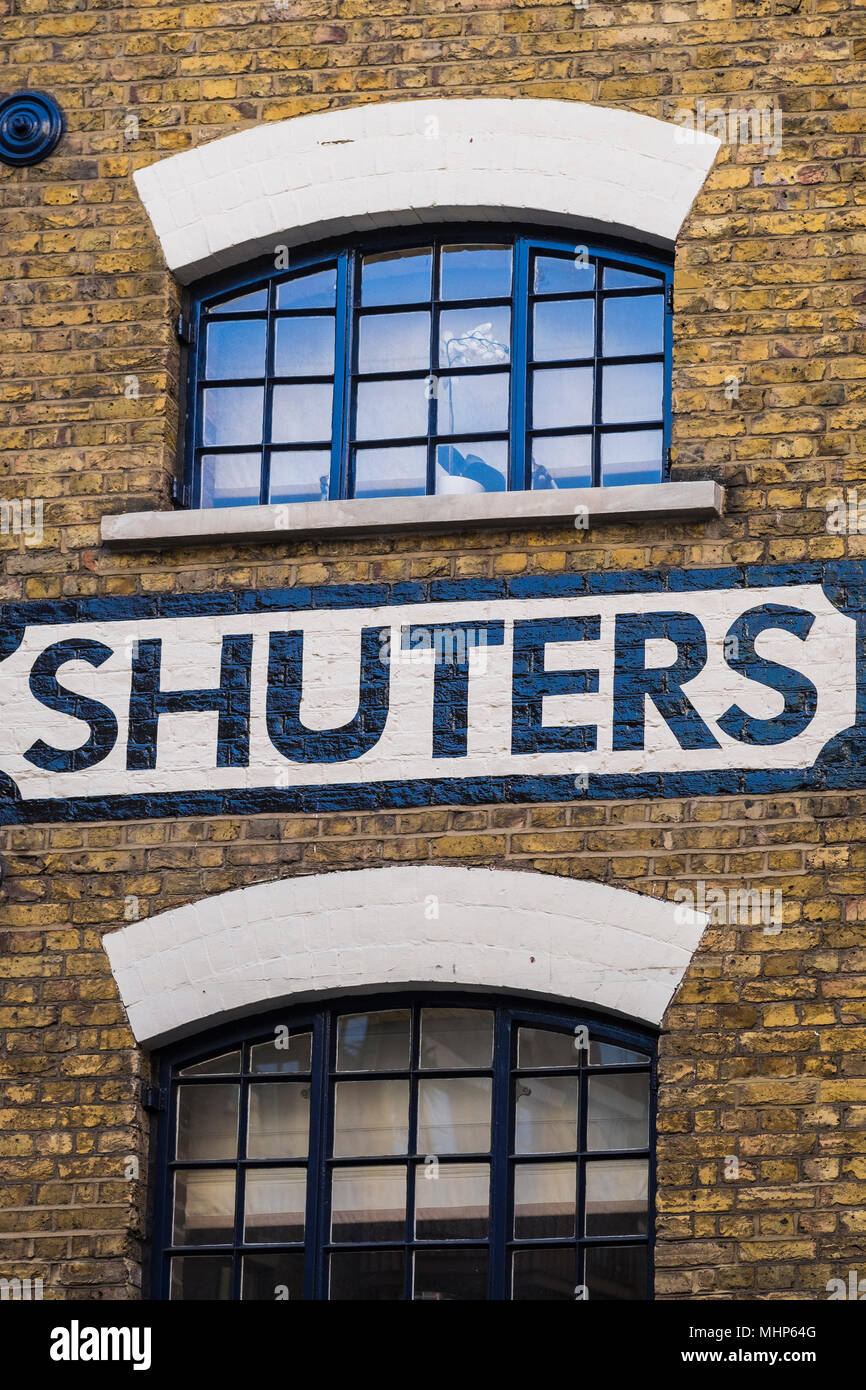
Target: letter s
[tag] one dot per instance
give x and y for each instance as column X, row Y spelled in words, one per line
column 49, row 692
column 800, row 695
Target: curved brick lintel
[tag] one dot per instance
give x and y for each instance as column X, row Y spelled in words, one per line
column 390, row 163
column 409, row 925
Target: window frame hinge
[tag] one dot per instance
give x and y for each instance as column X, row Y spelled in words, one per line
column 184, row 331
column 181, row 493
column 668, row 457
column 153, row 1098
column 669, row 298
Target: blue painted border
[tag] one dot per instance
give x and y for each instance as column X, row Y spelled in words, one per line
column 840, row 765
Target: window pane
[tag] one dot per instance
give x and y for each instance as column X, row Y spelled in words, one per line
column 232, row 414
column 454, row 1038
column 304, row 347
column 224, row 1065
column 371, row 1117
column 204, row 1206
column 470, row 404
column 615, row 279
column 396, row 277
column 546, row 1114
column 562, row 396
column 618, row 1113
column 632, row 393
column 564, row 328
column 274, row 1204
column 208, row 1277
column 236, row 348
column 543, row 1274
column 242, row 304
column 279, row 1124
column 393, row 342
column 616, row 1197
column 450, row 1275
column 300, row 475
column 368, row 1204
column 270, row 1277
column 544, row 1195
column 454, row 1115
column 573, row 274
column 474, row 337
column 562, row 460
column 603, row 1054
column 290, row 1054
column 617, row 1273
column 369, row 1275
column 231, row 480
column 391, row 409
column 302, row 413
column 391, row 472
column 540, row 1047
column 452, row 1201
column 207, row 1122
column 476, row 272
column 317, row 290
column 631, row 456
column 373, row 1042
column 480, row 466
column 633, row 326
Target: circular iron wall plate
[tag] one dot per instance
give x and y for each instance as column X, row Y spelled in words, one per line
column 31, row 123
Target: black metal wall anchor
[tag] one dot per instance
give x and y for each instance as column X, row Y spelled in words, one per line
column 31, row 124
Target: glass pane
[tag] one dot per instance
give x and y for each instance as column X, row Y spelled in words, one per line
column 454, row 1115
column 209, row 1277
column 373, row 1042
column 474, row 337
column 391, row 472
column 317, row 290
column 546, row 1114
column 242, row 304
column 391, row 409
column 302, row 413
column 561, row 396
column 393, row 342
column 616, row 1198
column 539, row 1047
column 371, row 1117
column 633, row 326
column 236, row 348
column 470, row 404
column 602, row 1054
column 284, row 1054
column 618, row 1112
column 564, row 328
column 231, row 480
column 544, row 1195
column 274, row 1204
column 617, row 1273
column 481, row 466
column 304, row 347
column 450, row 1275
column 631, row 456
column 204, row 1206
column 632, row 393
column 455, row 1038
column 368, row 1275
column 615, row 279
column 279, row 1120
column 270, row 1277
column 300, row 475
column 368, row 1204
column 562, row 460
column 232, row 414
column 207, row 1122
column 476, row 272
column 573, row 274
column 396, row 277
column 543, row 1274
column 223, row 1065
column 452, row 1201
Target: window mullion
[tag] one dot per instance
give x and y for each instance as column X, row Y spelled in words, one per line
column 501, row 1180
column 342, row 408
column 519, row 366
column 316, row 1182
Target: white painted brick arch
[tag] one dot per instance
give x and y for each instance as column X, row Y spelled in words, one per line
column 404, row 926
column 394, row 163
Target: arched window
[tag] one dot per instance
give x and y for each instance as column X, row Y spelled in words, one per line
column 428, row 1147
column 451, row 361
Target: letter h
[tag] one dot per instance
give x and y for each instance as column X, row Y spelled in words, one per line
column 231, row 700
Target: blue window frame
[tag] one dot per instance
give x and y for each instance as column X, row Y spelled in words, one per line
column 446, row 1147
column 441, row 360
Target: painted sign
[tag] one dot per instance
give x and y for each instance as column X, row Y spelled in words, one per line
column 560, row 688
